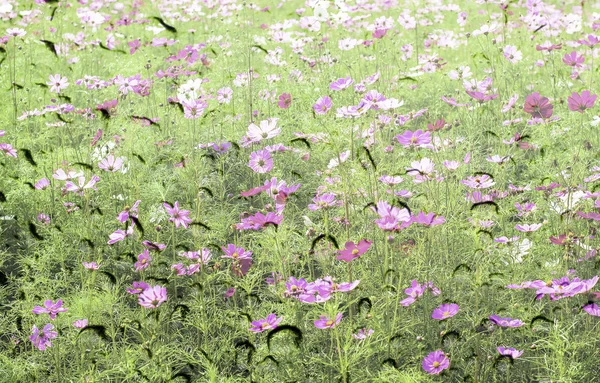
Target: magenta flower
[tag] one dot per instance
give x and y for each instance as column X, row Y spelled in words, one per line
column 152, row 297
column 138, row 287
column 414, row 139
column 178, row 217
column 429, row 219
column 363, row 334
column 50, row 308
column 134, row 46
column 538, row 106
column 579, row 103
column 242, row 258
column 391, row 218
column 261, row 161
column 41, row 339
column 341, row 83
column 80, row 323
column 8, row 150
column 592, row 309
column 285, row 101
column 42, row 184
column 120, row 235
column 527, row 228
column 194, row 108
column 481, row 97
column 435, row 362
column 479, row 182
column 91, row 265
column 322, row 201
column 143, row 261
column 505, row 322
column 571, row 59
column 352, row 250
column 324, row 322
column 259, row 221
column 445, row 311
column 269, row 323
column 511, row 352
column 323, row 105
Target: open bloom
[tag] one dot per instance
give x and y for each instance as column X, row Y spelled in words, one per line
column 579, row 103
column 324, row 322
column 538, row 106
column 50, row 308
column 269, row 323
column 152, row 297
column 417, row 138
column 323, row 105
column 352, row 250
column 505, row 322
column 178, row 217
column 285, row 101
column 445, row 311
column 143, row 261
column 513, row 353
column 111, row 163
column 261, row 161
column 435, row 362
column 264, row 130
column 41, row 339
column 592, row 309
column 57, row 83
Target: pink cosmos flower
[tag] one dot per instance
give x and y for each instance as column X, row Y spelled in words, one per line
column 138, row 288
column 414, row 139
column 429, row 219
column 505, row 322
column 152, row 297
column 120, row 235
column 42, row 184
column 41, row 339
column 261, row 161
column 285, row 101
column 81, row 185
column 363, row 334
column 572, row 59
column 538, row 106
column 91, row 265
column 353, row 251
column 324, row 322
column 242, row 258
column 445, row 311
column 111, row 164
column 341, row 83
column 194, row 108
column 178, row 217
column 391, row 218
column 134, row 46
column 511, row 352
column 143, row 261
column 57, row 83
column 527, row 228
column 80, row 323
column 8, row 150
column 267, row 129
column 479, row 182
column 50, row 308
column 579, row 103
column 435, row 362
column 592, row 309
column 323, row 105
column 270, row 322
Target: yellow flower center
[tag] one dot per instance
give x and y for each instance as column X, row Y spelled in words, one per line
column 329, row 323
column 355, row 251
column 446, row 314
column 436, row 364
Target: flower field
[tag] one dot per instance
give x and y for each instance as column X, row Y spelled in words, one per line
column 299, row 191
